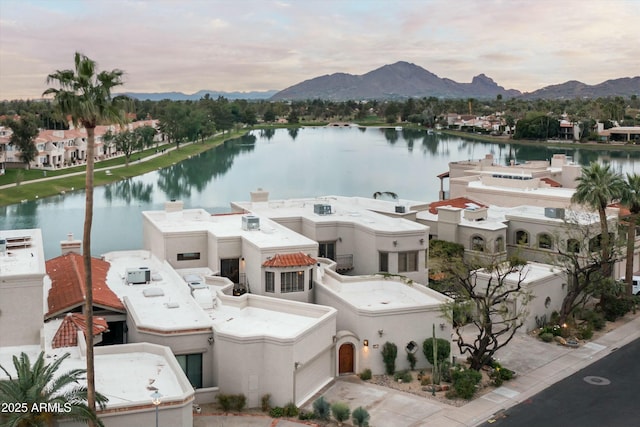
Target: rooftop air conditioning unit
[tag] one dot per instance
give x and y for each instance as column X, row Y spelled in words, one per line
column 322, row 209
column 250, row 222
column 138, row 276
column 400, row 209
column 557, row 213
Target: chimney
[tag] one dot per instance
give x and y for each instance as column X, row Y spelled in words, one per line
column 259, row 195
column 70, row 245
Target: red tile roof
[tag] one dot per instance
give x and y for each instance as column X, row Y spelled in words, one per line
column 551, row 182
column 67, row 285
column 459, row 202
column 67, row 334
column 289, row 260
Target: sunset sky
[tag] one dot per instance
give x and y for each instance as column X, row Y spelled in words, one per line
column 243, row 45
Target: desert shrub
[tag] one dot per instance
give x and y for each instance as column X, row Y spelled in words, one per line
column 224, row 401
column 306, row 415
column 585, row 332
column 340, row 411
column 445, row 371
column 360, row 417
column 365, row 374
column 546, row 336
column 465, row 381
column 290, row 410
column 265, row 402
column 276, row 412
column 404, row 376
column 500, row 374
column 613, row 308
column 426, row 380
column 412, row 360
column 228, row 402
column 389, row 353
column 595, row 319
column 321, row 408
column 444, row 349
column 554, row 330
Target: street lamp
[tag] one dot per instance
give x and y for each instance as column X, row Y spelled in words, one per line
column 155, row 399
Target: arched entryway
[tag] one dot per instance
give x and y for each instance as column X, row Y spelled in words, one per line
column 346, row 355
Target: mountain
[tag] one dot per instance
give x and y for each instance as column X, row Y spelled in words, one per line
column 399, row 80
column 179, row 96
column 626, row 86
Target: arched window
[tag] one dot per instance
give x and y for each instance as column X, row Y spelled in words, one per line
column 573, row 246
column 544, row 241
column 477, row 243
column 522, row 238
column 499, row 244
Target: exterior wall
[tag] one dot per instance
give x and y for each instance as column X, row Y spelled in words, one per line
column 399, row 326
column 153, row 239
column 257, row 365
column 21, row 309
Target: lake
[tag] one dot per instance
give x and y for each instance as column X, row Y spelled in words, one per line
column 289, row 163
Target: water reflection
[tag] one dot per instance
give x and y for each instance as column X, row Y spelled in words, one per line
column 180, row 180
column 129, row 190
column 293, row 133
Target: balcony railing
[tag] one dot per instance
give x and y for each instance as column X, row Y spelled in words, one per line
column 344, row 262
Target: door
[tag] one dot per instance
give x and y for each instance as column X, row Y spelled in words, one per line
column 345, row 359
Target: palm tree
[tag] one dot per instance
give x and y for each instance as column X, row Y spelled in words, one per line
column 85, row 96
column 597, row 187
column 37, row 386
column 631, row 200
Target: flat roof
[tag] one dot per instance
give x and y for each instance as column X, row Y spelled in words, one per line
column 270, row 234
column 170, row 308
column 564, row 193
column 376, row 293
column 355, row 210
column 23, row 255
column 124, row 377
column 251, row 321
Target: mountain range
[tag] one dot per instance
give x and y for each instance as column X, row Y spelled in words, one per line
column 406, row 80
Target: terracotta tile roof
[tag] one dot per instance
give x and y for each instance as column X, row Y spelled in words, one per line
column 459, row 202
column 289, row 260
column 551, row 182
column 67, row 334
column 67, row 285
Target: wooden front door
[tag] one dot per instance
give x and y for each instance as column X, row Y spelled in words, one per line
column 345, row 359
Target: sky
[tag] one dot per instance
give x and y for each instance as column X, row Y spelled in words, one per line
column 247, row 45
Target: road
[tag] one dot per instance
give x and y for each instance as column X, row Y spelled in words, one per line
column 604, row 394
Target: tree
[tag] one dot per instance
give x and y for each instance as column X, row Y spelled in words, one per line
column 631, row 200
column 127, row 142
column 38, row 384
column 582, row 266
column 25, row 130
column 145, row 135
column 597, row 187
column 487, row 297
column 85, row 96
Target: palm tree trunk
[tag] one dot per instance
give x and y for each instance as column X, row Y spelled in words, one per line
column 86, row 255
column 604, row 241
column 631, row 244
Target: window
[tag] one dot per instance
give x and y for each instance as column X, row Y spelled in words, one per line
column 230, row 268
column 191, row 364
column 499, row 244
column 327, row 250
column 189, row 256
column 477, row 243
column 269, row 281
column 522, row 238
column 384, row 261
column 595, row 244
column 292, row 282
column 407, row 261
column 573, row 245
column 310, row 279
column 544, row 241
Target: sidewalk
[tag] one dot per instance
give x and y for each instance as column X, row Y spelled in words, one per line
column 538, row 365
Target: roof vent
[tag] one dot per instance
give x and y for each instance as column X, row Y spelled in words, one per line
column 250, row 222
column 556, row 213
column 322, row 209
column 153, row 292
